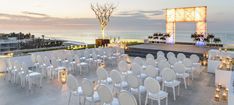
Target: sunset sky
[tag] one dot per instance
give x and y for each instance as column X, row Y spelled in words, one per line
column 129, row 15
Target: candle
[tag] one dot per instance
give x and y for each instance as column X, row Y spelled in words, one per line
column 217, row 90
column 226, row 90
column 219, row 86
column 224, row 96
column 216, row 97
column 220, row 49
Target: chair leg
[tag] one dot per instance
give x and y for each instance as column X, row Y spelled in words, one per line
column 84, row 100
column 78, row 99
column 162, row 86
column 146, row 99
column 159, row 102
column 166, row 100
column 69, row 98
column 192, row 75
column 139, row 98
column 185, row 83
column 188, row 81
column 178, row 90
column 174, row 93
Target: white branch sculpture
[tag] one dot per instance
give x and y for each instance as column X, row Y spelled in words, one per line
column 103, row 13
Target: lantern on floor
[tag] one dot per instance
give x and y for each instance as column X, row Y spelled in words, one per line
column 63, row 76
column 204, row 62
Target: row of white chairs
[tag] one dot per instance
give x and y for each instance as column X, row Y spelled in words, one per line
column 19, row 72
column 100, row 93
column 50, row 64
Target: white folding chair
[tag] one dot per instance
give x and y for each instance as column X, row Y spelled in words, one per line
column 169, row 80
column 196, row 63
column 153, row 91
column 135, row 86
column 106, row 96
column 188, row 66
column 73, row 87
column 117, row 80
column 88, row 92
column 181, row 73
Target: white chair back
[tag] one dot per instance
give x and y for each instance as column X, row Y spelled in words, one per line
column 172, row 60
column 46, row 60
column 152, row 85
column 170, row 54
column 194, row 58
column 150, row 71
column 132, row 81
column 160, row 53
column 125, row 98
column 181, row 57
column 161, row 58
column 163, row 64
column 187, row 62
column 149, row 56
column 72, row 83
column 168, row 74
column 34, row 58
column 139, row 60
column 123, row 66
column 150, row 62
column 136, row 68
column 179, row 68
column 105, row 94
column 87, row 87
column 115, row 76
column 102, row 73
column 40, row 59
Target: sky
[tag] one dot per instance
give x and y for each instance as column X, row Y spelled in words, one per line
column 129, row 15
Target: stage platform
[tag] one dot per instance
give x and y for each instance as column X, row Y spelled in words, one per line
column 142, row 49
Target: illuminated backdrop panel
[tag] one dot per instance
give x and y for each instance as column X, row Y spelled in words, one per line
column 187, row 14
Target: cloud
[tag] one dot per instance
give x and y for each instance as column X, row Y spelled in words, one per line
column 30, row 20
column 34, row 14
column 146, row 13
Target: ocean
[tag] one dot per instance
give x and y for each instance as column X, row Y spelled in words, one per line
column 89, row 36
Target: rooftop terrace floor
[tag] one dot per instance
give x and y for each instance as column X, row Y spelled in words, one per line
column 199, row 92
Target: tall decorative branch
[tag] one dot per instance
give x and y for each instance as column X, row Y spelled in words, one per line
column 103, row 13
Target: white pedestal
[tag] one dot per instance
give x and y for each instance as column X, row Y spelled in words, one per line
column 213, row 65
column 223, row 77
column 231, row 91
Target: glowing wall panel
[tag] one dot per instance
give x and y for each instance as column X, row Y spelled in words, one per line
column 187, row 14
column 201, row 27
